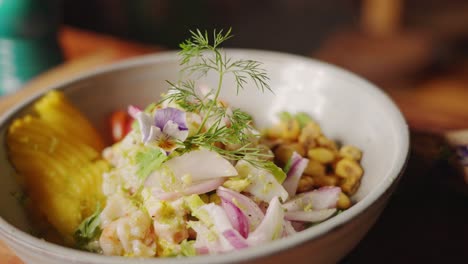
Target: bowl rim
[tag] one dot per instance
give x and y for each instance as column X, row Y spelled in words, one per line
column 21, row 238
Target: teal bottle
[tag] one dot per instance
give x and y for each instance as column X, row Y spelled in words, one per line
column 28, row 40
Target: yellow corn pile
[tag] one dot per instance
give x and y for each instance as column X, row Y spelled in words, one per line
column 56, row 152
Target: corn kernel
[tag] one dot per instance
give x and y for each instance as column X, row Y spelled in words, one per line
column 306, row 183
column 326, row 180
column 350, row 152
column 214, row 198
column 266, row 151
column 308, row 135
column 274, row 132
column 284, row 151
column 343, row 201
column 348, row 168
column 325, row 142
column 291, row 129
column 321, row 155
column 205, row 198
column 315, row 168
column 350, row 185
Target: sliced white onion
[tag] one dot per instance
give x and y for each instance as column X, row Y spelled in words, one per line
column 294, row 174
column 236, row 240
column 310, row 216
column 201, row 165
column 264, row 185
column 197, row 188
column 271, row 227
column 323, row 198
column 250, row 209
column 238, row 219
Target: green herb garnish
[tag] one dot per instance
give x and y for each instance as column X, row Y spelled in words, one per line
column 89, row 229
column 201, row 54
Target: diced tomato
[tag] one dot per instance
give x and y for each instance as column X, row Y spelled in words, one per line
column 120, row 124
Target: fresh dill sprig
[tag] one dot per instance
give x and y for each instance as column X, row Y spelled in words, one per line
column 195, row 58
column 201, row 54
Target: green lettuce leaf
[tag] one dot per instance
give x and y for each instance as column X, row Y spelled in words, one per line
column 89, row 229
column 149, row 160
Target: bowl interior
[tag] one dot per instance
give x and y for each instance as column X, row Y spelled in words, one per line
column 349, row 110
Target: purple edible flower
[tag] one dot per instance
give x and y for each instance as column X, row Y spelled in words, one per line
column 168, row 127
column 165, row 115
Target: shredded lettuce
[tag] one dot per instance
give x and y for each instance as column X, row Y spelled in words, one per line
column 187, row 248
column 303, row 119
column 149, row 160
column 89, row 229
column 277, row 172
column 285, row 116
column 237, row 184
column 193, row 202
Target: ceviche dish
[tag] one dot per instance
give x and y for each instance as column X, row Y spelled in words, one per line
column 187, row 175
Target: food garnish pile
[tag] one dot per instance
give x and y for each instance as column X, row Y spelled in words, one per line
column 188, row 175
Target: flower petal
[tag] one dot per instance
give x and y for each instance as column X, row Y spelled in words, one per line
column 177, row 116
column 173, row 130
column 154, row 134
column 145, row 121
column 133, row 111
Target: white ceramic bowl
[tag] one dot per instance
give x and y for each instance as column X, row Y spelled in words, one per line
column 348, row 108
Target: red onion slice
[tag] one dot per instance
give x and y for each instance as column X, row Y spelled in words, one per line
column 323, row 198
column 204, row 242
column 197, row 188
column 309, row 216
column 294, row 174
column 288, row 228
column 271, row 227
column 235, row 239
column 298, row 226
column 237, row 218
column 250, row 209
column 202, row 250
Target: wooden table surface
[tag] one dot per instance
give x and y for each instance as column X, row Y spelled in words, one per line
column 427, row 218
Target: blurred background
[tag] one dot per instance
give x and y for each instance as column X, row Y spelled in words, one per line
column 416, row 50
column 398, row 44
